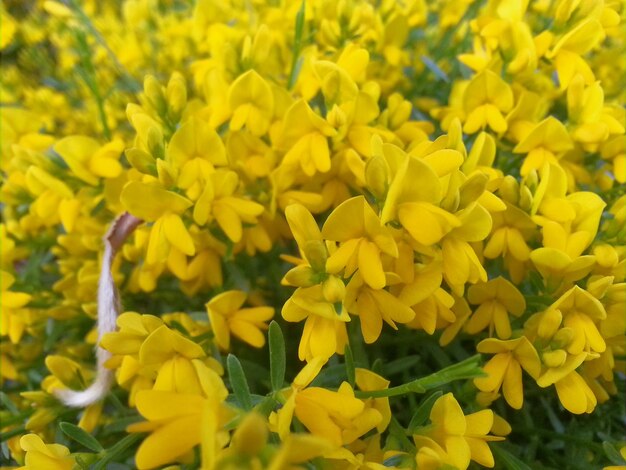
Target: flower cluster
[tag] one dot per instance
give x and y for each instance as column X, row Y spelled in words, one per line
column 365, row 192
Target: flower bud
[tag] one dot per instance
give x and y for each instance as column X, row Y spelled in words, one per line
column 300, row 276
column 554, row 358
column 334, row 289
column 377, row 176
column 176, row 96
column 509, row 189
column 336, row 117
column 549, row 323
column 154, row 93
column 316, row 254
column 563, row 337
column 154, row 141
column 141, row 160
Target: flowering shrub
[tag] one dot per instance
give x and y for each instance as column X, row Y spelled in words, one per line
column 326, row 234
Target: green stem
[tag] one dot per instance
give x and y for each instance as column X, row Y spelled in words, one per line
column 117, row 450
column 467, row 369
column 86, row 21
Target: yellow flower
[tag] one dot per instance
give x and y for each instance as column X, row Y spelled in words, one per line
column 14, row 318
column 218, row 201
column 308, row 236
column 367, row 380
column 305, row 135
column 252, row 103
column 545, row 143
column 496, row 298
column 373, row 306
column 570, row 47
column 299, row 448
column 320, row 297
column 431, row 456
column 227, row 316
column 505, row 368
column 195, row 150
column 178, row 360
column 178, row 422
column 337, row 416
column 511, row 230
column 486, row 97
column 581, row 312
column 574, row 393
column 40, row 455
column 89, row 160
column 463, row 438
column 585, row 109
column 414, row 193
column 147, row 354
column 325, row 327
column 460, row 262
column 363, row 240
column 152, row 203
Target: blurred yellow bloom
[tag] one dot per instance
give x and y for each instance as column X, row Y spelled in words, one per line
column 305, row 135
column 40, row 455
column 14, row 317
column 227, row 316
column 218, row 201
column 89, row 160
column 178, row 422
column 485, row 99
column 152, row 203
column 545, row 143
column 252, row 103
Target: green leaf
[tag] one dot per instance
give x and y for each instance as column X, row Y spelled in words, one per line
column 466, row 369
column 508, row 460
column 296, row 63
column 238, row 382
column 434, row 68
column 423, row 412
column 277, row 356
column 349, row 359
column 81, row 436
column 611, row 452
column 8, row 404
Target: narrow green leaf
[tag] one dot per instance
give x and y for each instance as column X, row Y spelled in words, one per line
column 508, row 460
column 349, row 359
column 297, row 45
column 466, row 369
column 4, row 436
column 81, row 436
column 612, row 453
column 423, row 411
column 434, row 68
column 8, row 404
column 238, row 382
column 277, row 356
